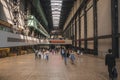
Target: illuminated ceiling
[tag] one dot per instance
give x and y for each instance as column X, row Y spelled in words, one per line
column 56, row 12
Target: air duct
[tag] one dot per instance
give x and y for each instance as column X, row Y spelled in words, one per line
column 38, row 7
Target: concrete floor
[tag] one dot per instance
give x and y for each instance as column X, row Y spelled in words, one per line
column 25, row 67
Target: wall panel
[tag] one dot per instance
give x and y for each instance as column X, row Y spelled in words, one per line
column 90, row 23
column 77, row 44
column 77, row 24
column 82, row 44
column 82, row 27
column 103, row 46
column 77, row 28
column 90, row 44
column 104, row 17
column 73, row 27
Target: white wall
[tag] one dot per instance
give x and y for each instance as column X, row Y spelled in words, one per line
column 90, row 23
column 104, row 17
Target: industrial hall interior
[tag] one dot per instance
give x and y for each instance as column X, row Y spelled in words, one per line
column 59, row 39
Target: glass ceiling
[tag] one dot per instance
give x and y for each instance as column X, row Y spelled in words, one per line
column 56, row 11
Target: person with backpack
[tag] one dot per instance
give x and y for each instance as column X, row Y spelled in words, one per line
column 111, row 63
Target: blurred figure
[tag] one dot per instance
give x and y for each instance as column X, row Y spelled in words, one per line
column 39, row 54
column 36, row 54
column 47, row 55
column 78, row 52
column 65, row 56
column 68, row 53
column 72, row 56
column 62, row 52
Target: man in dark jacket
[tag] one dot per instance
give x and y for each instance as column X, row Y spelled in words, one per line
column 110, row 62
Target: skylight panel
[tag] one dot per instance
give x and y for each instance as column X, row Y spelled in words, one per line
column 56, row 11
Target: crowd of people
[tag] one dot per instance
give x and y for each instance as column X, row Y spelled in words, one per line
column 42, row 54
column 65, row 54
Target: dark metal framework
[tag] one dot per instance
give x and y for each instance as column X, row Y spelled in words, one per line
column 115, row 40
column 95, row 27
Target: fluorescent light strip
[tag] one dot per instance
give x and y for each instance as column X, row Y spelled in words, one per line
column 56, row 1
column 58, row 9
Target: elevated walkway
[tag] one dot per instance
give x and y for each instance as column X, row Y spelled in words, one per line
column 25, row 67
column 8, row 39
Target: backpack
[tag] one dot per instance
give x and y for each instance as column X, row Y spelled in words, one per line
column 114, row 73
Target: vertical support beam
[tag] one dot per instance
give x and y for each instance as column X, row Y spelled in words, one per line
column 79, row 19
column 85, row 27
column 115, row 39
column 95, row 27
column 75, row 33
